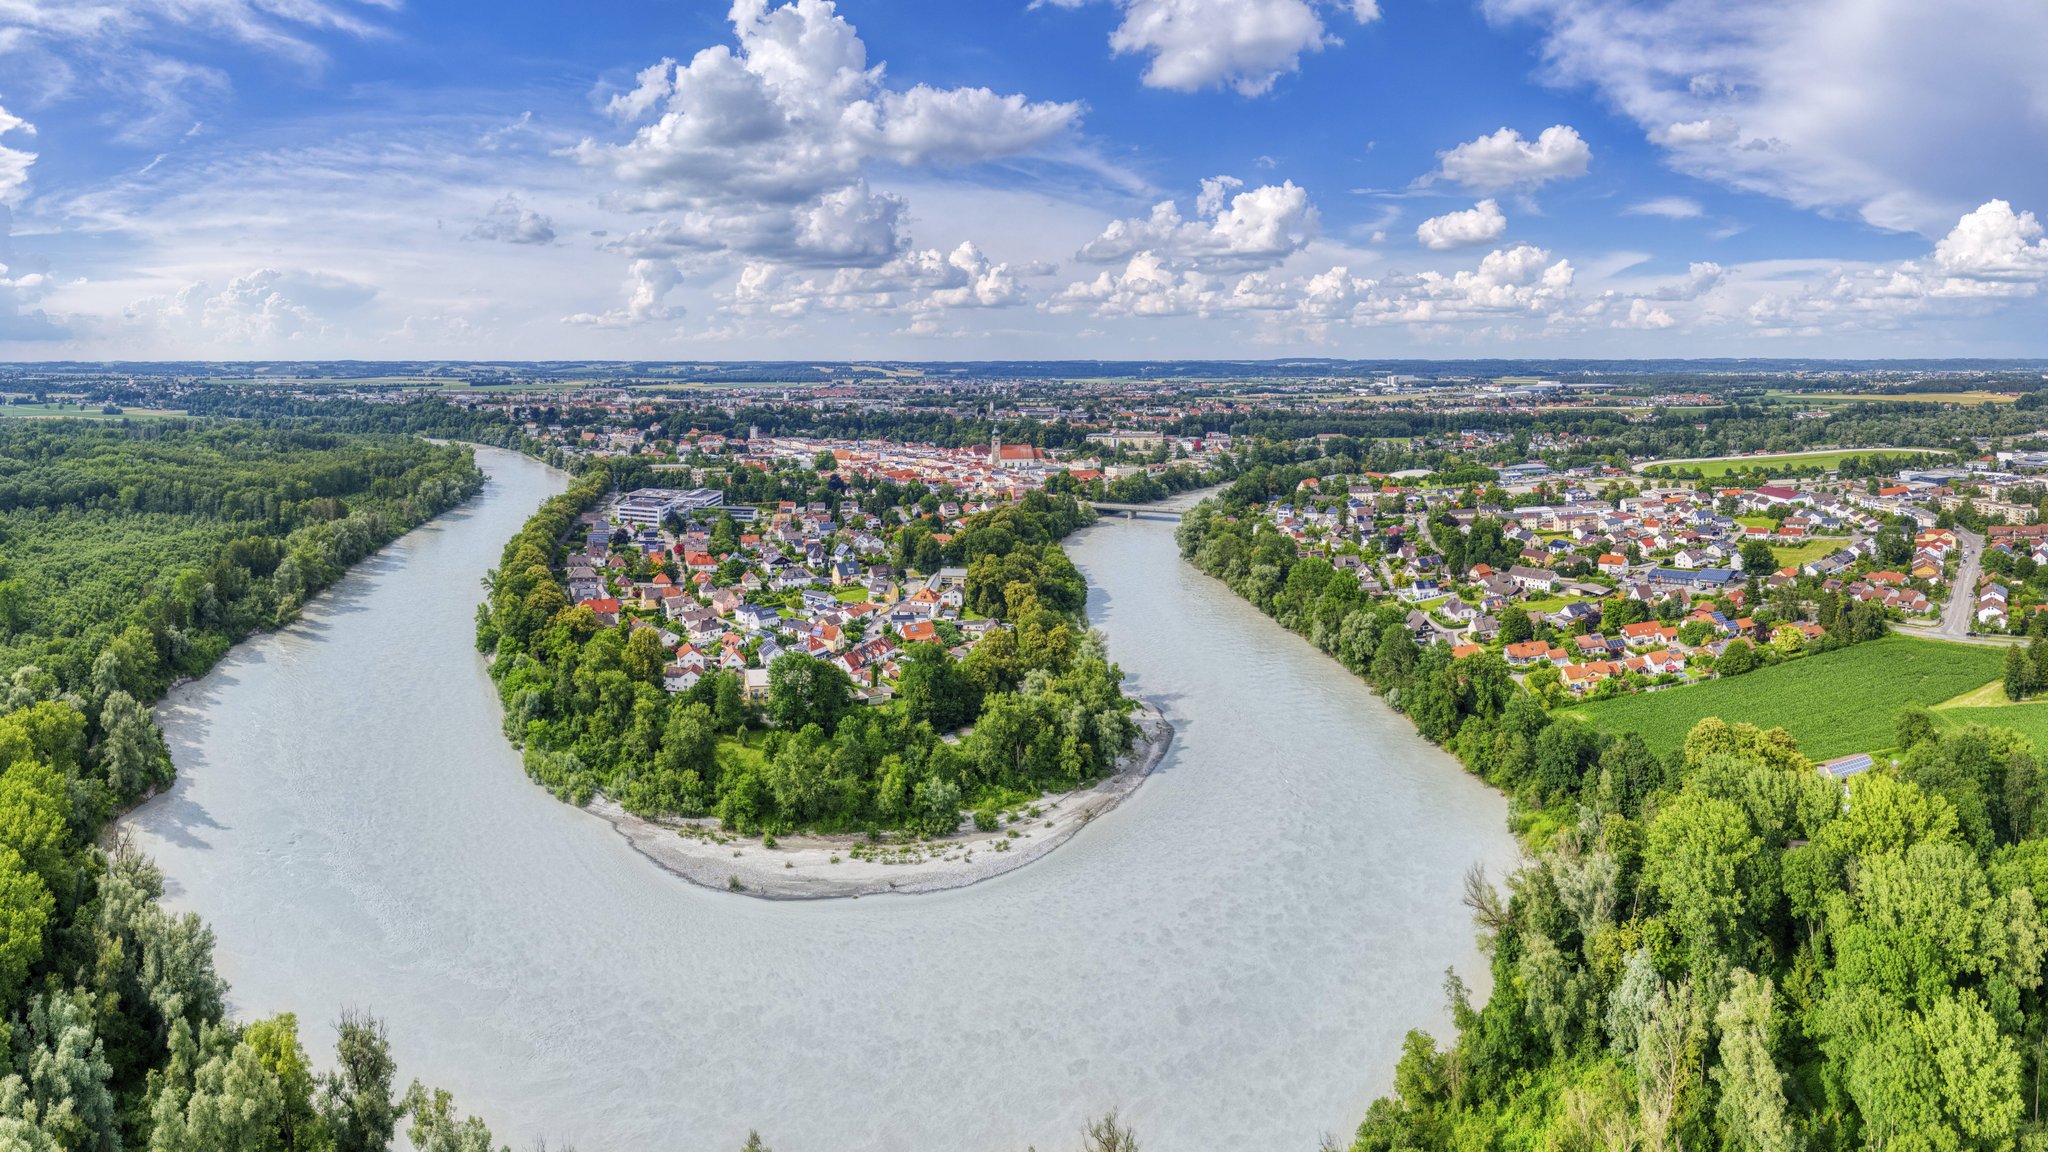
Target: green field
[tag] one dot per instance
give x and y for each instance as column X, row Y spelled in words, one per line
column 1832, row 399
column 2029, row 720
column 74, row 412
column 1812, row 548
column 1712, row 468
column 1834, row 704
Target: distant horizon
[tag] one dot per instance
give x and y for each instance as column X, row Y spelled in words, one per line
column 1907, row 363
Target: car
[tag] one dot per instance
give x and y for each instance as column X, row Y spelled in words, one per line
column 1969, row 633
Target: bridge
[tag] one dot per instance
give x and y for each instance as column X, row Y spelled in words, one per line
column 1133, row 511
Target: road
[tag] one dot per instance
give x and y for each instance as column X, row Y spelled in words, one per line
column 1958, row 616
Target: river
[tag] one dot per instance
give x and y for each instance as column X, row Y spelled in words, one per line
column 1231, row 957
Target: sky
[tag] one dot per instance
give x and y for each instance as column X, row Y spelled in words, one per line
column 1048, row 179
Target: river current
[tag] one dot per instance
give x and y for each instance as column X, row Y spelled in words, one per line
column 1231, row 957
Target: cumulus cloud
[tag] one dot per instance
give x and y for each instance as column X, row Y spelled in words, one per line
column 511, row 222
column 1994, row 243
column 925, row 284
column 1509, row 283
column 1992, row 255
column 1245, row 45
column 14, row 162
column 1903, row 112
column 1230, row 229
column 262, row 308
column 760, row 151
column 1480, row 224
column 648, row 284
column 1505, row 160
column 1645, row 315
column 1669, row 207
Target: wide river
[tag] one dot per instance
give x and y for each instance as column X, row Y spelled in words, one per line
column 1231, row 957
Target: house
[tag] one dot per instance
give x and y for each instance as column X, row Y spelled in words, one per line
column 1648, row 634
column 921, row 632
column 1613, row 564
column 1532, row 579
column 680, row 677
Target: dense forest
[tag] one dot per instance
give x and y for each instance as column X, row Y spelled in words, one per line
column 135, row 555
column 1716, row 949
column 586, row 702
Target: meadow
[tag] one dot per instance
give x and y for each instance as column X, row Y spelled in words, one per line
column 1834, row 703
column 1826, row 460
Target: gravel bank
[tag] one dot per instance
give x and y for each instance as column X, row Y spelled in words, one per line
column 828, row 867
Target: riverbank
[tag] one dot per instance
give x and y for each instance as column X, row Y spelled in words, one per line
column 833, row 867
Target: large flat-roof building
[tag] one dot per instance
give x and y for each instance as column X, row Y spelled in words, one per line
column 647, row 507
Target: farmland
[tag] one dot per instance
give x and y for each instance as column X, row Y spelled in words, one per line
column 56, row 411
column 1831, row 399
column 1787, row 460
column 1834, row 703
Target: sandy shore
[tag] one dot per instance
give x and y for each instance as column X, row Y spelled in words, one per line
column 825, row 867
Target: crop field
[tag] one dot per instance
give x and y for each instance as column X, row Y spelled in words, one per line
column 1711, row 468
column 75, row 412
column 1834, row 704
column 1968, row 399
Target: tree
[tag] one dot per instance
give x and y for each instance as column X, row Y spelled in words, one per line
column 437, row 1127
column 1109, row 1134
column 1757, row 558
column 1737, row 658
column 1788, row 639
column 25, row 912
column 1752, row 1113
column 2020, row 681
column 1515, row 627
column 803, row 690
column 934, row 690
column 356, row 1097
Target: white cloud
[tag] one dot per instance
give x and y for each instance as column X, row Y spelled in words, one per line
column 648, row 284
column 1505, row 160
column 760, row 152
column 1991, row 257
column 1645, row 315
column 1993, row 243
column 514, row 223
column 14, row 162
column 925, row 283
column 1903, row 112
column 262, row 308
column 1231, row 228
column 1245, row 45
column 1479, row 224
column 1669, row 207
column 1522, row 282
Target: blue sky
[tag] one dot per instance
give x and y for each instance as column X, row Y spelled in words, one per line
column 949, row 179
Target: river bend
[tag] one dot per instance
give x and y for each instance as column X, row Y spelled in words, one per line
column 1231, row 957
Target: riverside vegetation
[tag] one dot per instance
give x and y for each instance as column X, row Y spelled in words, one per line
column 1040, row 699
column 135, row 555
column 1710, row 948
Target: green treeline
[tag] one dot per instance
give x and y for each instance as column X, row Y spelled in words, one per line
column 152, row 548
column 588, row 706
column 134, row 555
column 1716, row 949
